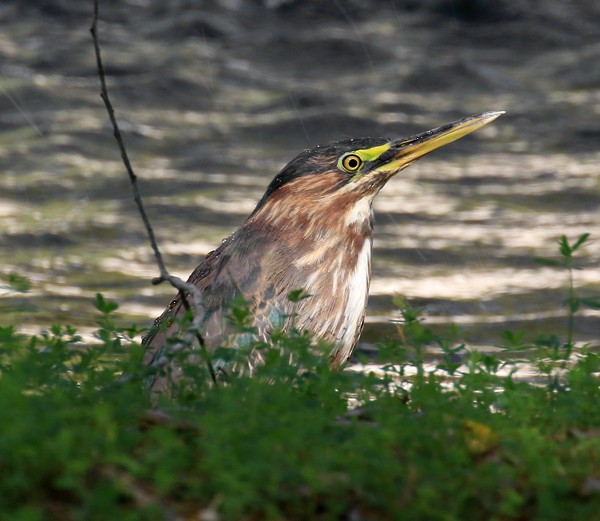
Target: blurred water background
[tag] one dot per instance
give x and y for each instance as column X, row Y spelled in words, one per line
column 215, row 96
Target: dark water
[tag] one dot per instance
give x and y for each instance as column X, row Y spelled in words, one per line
column 214, row 97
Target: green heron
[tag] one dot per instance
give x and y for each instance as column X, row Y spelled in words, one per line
column 311, row 230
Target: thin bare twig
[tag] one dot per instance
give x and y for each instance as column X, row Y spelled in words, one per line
column 183, row 287
column 124, row 156
column 203, row 351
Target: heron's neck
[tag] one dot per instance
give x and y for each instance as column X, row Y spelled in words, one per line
column 338, row 268
column 327, row 253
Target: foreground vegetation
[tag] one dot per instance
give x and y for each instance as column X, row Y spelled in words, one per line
column 82, row 438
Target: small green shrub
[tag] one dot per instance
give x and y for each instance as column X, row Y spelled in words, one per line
column 83, row 438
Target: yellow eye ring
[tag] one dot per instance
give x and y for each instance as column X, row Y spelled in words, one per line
column 351, row 163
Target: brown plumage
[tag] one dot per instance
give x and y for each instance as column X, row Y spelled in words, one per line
column 312, row 230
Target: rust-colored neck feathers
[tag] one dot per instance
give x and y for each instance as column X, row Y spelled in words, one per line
column 313, row 217
column 321, row 236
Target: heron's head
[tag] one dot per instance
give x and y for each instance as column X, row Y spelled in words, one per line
column 333, row 178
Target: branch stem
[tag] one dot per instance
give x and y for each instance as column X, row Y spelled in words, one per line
column 186, row 289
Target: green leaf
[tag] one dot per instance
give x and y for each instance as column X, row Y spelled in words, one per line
column 449, row 367
column 582, row 238
column 563, row 245
column 514, row 339
column 105, row 306
column 17, row 282
column 297, row 295
column 543, row 261
column 591, row 302
column 545, row 340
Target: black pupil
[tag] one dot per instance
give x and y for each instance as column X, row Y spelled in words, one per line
column 352, row 163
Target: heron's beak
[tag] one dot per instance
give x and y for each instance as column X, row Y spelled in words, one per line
column 403, row 152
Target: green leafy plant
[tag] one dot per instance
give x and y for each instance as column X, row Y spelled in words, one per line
column 568, row 262
column 82, row 437
column 15, row 283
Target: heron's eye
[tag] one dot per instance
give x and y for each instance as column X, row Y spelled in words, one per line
column 351, row 163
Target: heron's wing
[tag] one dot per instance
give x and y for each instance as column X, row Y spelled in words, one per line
column 237, row 267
